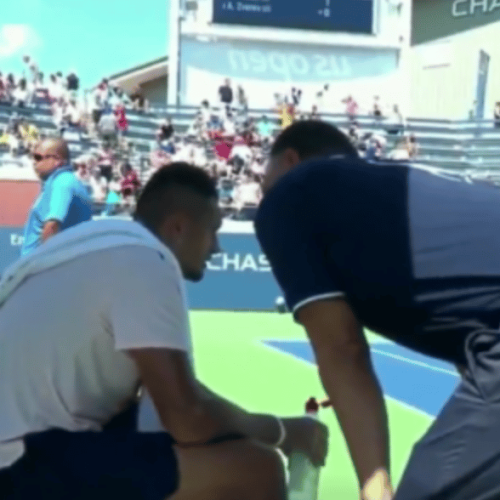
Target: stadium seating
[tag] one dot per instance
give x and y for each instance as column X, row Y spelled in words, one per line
column 457, row 145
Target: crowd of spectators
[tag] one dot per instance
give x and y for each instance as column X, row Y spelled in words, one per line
column 223, row 138
column 232, row 145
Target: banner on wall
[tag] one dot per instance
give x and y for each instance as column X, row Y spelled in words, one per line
column 263, row 68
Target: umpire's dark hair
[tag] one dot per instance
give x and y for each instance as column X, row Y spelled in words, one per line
column 171, row 188
column 313, row 138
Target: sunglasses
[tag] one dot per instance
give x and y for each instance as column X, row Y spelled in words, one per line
column 38, row 157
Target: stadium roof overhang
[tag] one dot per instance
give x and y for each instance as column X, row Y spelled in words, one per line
column 133, row 77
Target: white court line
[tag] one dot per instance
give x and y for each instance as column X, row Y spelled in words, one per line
column 315, row 367
column 416, row 363
column 407, row 406
column 377, row 351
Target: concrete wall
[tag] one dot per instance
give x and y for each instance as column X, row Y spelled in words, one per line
column 444, row 74
column 156, row 90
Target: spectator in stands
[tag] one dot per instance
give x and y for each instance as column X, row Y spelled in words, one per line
column 412, row 146
column 108, row 128
column 296, row 97
column 3, row 90
column 139, row 102
column 113, row 198
column 226, row 95
column 228, row 127
column 258, row 166
column 29, row 134
column 42, row 90
column 72, row 85
column 265, row 127
column 351, row 108
column 15, row 143
column 395, row 122
column 241, row 154
column 242, row 99
column 400, row 152
column 106, row 161
column 83, row 173
column 58, row 114
column 248, row 193
column 159, row 157
column 64, row 201
column 225, row 189
column 377, row 108
column 98, row 185
column 121, row 119
column 31, row 72
column 55, row 88
column 13, row 124
column 20, row 94
column 165, row 131
column 130, row 183
column 11, row 85
column 496, row 115
column 286, row 113
column 314, row 113
column 73, row 115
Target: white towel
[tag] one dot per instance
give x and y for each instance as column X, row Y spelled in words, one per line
column 79, row 240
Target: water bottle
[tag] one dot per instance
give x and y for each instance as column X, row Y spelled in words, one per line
column 304, row 476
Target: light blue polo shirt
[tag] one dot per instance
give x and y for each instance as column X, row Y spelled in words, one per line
column 63, row 198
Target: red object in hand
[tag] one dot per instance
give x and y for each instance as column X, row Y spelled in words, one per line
column 312, row 406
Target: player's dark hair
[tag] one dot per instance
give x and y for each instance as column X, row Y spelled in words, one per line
column 312, row 138
column 174, row 187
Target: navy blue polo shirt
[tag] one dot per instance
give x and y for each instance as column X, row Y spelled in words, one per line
column 415, row 252
column 64, row 199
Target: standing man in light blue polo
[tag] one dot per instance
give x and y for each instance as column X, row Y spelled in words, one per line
column 63, row 202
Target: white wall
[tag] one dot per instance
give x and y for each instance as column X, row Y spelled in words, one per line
column 444, row 74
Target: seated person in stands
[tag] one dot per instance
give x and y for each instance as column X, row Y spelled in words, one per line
column 108, row 128
column 139, row 102
column 98, row 186
column 106, row 161
column 29, row 134
column 113, row 198
column 165, row 131
column 249, row 192
column 20, row 94
column 130, row 183
column 400, row 152
column 265, row 127
column 226, row 190
column 3, row 91
column 412, row 146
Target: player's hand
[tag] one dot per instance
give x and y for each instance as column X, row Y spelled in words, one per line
column 378, row 487
column 307, row 435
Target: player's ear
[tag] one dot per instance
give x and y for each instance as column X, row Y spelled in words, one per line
column 290, row 158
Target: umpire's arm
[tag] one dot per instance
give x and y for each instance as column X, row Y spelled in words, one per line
column 345, row 368
column 289, row 231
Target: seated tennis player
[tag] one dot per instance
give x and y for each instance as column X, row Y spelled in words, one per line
column 94, row 315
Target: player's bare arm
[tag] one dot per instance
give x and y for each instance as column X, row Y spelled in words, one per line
column 304, row 434
column 343, row 357
column 194, row 415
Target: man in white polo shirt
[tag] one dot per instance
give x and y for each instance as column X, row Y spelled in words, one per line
column 78, row 340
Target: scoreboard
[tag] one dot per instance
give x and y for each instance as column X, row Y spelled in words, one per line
column 348, row 16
